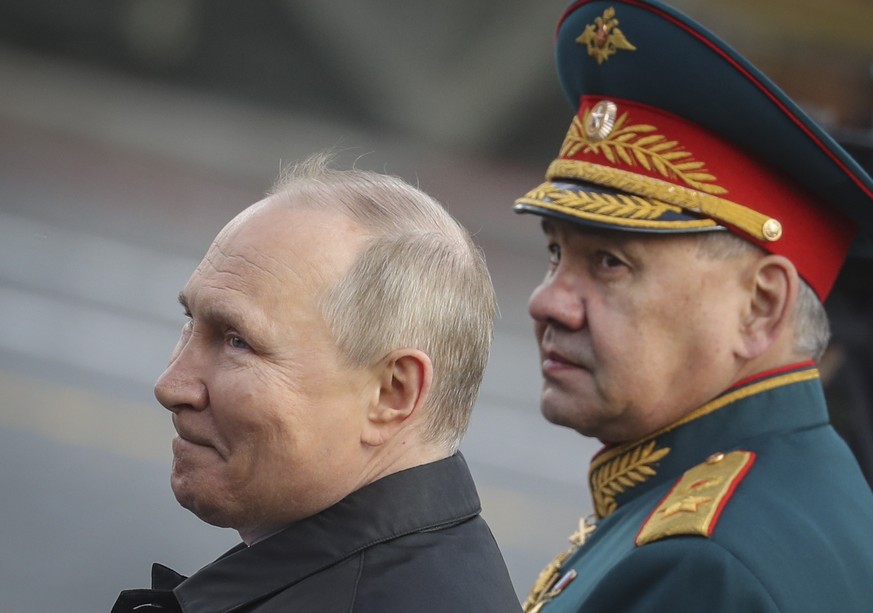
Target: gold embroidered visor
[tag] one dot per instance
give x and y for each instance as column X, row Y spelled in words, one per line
column 624, row 165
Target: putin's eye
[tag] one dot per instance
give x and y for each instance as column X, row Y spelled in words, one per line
column 237, row 343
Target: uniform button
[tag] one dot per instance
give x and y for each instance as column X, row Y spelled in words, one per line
column 715, row 458
column 772, row 230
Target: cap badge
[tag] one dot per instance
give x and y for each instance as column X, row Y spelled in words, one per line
column 603, row 38
column 600, row 120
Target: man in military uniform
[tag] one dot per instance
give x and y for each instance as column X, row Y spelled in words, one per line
column 695, row 220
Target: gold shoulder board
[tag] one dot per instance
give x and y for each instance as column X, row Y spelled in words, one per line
column 695, row 503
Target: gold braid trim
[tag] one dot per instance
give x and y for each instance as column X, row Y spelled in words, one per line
column 614, row 209
column 734, row 214
column 624, row 472
column 743, row 392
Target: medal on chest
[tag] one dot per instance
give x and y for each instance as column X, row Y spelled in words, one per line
column 551, row 580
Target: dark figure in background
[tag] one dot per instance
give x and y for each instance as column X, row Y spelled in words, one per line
column 338, row 331
column 847, row 366
column 695, row 221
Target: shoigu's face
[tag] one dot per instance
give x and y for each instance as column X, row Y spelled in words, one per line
column 267, row 414
column 634, row 330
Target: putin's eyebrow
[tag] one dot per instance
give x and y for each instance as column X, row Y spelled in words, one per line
column 183, row 300
column 217, row 314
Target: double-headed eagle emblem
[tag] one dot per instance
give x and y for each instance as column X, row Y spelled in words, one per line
column 603, row 38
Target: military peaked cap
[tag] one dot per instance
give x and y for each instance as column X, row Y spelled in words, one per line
column 676, row 132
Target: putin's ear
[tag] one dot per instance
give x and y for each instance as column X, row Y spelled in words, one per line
column 405, row 378
column 773, row 294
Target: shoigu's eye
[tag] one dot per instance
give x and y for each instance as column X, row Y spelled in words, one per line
column 554, row 253
column 606, row 260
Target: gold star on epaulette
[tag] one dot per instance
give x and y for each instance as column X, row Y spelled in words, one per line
column 687, row 505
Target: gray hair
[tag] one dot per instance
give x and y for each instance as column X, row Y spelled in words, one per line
column 420, row 282
column 812, row 330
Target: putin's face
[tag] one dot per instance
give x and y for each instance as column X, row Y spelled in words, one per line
column 267, row 413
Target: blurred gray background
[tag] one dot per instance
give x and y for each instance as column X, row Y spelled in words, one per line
column 131, row 131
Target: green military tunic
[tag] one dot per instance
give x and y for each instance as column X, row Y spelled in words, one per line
column 751, row 503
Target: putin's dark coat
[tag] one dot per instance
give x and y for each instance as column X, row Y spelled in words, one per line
column 412, row 542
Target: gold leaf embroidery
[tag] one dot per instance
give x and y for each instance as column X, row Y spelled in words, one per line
column 715, row 208
column 624, row 472
column 637, row 144
column 611, row 205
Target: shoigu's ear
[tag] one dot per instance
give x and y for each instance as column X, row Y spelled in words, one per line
column 405, row 378
column 772, row 296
